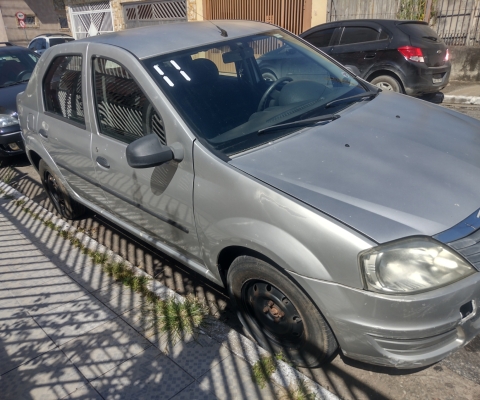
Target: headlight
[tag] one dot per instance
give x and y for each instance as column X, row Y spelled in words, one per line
column 7, row 120
column 411, row 265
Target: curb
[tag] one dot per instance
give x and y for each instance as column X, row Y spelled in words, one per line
column 469, row 100
column 284, row 376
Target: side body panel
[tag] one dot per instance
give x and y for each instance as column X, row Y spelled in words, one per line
column 233, row 209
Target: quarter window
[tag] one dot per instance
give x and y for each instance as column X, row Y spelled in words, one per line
column 321, row 38
column 123, row 110
column 63, row 88
column 358, row 34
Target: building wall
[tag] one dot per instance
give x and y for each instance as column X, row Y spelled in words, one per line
column 3, row 31
column 46, row 19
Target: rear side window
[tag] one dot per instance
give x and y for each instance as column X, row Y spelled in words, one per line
column 320, row 38
column 123, row 110
column 419, row 31
column 358, row 34
column 62, row 88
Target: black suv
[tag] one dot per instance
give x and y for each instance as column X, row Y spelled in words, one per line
column 403, row 56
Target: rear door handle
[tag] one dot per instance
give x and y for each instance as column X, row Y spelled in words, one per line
column 43, row 133
column 103, row 162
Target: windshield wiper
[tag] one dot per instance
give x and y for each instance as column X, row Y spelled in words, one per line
column 15, row 83
column 352, row 99
column 299, row 124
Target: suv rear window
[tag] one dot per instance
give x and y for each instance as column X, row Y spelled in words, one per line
column 419, row 31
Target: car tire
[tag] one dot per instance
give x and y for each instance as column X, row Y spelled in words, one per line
column 64, row 204
column 277, row 314
column 387, row 83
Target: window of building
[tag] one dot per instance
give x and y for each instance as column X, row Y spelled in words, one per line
column 62, row 88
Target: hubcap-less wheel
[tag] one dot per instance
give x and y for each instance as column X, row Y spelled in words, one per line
column 55, row 192
column 273, row 312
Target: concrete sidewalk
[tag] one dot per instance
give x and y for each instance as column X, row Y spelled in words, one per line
column 459, row 92
column 67, row 330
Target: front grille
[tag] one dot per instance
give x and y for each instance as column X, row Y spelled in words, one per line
column 469, row 247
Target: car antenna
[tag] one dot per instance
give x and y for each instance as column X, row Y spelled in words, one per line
column 223, row 32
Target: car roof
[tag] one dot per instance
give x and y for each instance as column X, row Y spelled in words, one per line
column 9, row 48
column 53, row 35
column 385, row 22
column 150, row 41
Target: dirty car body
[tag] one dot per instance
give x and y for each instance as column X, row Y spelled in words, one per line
column 362, row 201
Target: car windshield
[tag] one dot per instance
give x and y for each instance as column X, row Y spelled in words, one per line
column 16, row 66
column 55, row 41
column 230, row 92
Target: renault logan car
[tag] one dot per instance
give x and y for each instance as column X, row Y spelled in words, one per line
column 336, row 215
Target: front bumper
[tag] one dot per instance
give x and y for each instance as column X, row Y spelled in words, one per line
column 399, row 331
column 11, row 135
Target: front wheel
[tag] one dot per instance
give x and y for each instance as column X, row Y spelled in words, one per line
column 278, row 314
column 387, row 83
column 64, row 204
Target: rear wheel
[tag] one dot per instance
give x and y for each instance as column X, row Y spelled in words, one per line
column 62, row 201
column 387, row 83
column 277, row 314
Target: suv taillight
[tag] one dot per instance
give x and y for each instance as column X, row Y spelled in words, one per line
column 412, row 53
column 447, row 55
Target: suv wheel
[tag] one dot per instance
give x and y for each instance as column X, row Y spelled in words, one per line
column 62, row 201
column 387, row 83
column 277, row 314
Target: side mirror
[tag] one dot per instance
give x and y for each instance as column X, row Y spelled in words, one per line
column 148, row 152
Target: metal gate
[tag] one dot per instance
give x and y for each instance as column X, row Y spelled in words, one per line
column 293, row 15
column 457, row 22
column 91, row 19
column 154, row 13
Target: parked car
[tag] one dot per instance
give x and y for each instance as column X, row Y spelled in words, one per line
column 16, row 66
column 335, row 215
column 401, row 56
column 43, row 42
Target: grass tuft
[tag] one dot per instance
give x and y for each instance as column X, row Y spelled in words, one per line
column 177, row 319
column 301, row 393
column 9, row 175
column 263, row 369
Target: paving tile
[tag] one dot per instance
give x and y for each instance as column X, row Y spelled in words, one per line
column 18, row 262
column 39, row 284
column 50, row 376
column 86, row 392
column 41, row 299
column 21, row 341
column 104, row 348
column 28, row 276
column 73, row 319
column 232, row 379
column 10, row 311
column 194, row 392
column 119, row 298
column 199, row 355
column 91, row 277
column 148, row 375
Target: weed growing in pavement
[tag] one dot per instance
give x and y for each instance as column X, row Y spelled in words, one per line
column 263, row 369
column 301, row 393
column 175, row 318
column 9, row 175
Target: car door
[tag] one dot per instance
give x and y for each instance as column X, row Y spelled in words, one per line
column 359, row 46
column 33, row 45
column 63, row 123
column 127, row 105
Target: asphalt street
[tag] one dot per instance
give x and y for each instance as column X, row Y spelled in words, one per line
column 457, row 377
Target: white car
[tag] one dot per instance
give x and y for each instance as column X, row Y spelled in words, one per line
column 43, row 42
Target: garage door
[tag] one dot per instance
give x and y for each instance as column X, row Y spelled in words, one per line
column 154, row 13
column 91, row 19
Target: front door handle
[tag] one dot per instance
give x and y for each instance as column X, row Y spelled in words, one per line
column 43, row 133
column 103, row 162
column 370, row 55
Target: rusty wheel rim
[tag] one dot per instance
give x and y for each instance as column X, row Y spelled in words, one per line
column 273, row 312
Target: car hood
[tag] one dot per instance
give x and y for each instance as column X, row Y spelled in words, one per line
column 8, row 96
column 391, row 167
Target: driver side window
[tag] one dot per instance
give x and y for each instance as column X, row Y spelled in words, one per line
column 123, row 110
